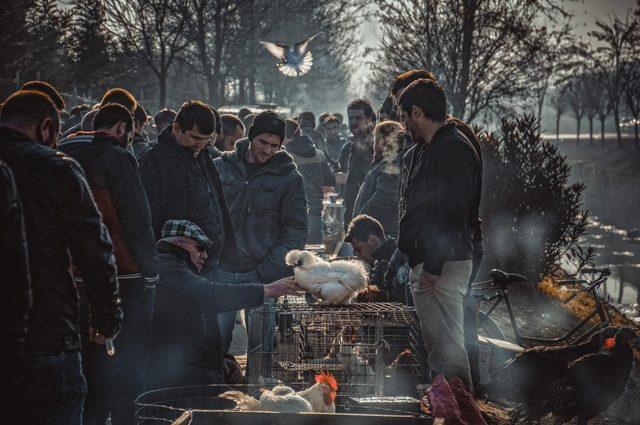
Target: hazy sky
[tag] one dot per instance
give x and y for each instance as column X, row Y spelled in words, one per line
column 585, row 12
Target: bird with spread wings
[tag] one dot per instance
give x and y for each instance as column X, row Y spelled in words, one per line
column 295, row 60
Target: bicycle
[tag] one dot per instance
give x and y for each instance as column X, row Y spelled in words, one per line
column 498, row 285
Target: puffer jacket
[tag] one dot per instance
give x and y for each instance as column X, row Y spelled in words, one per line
column 115, row 183
column 380, row 193
column 61, row 216
column 185, row 346
column 268, row 210
column 13, row 250
column 312, row 165
column 360, row 157
column 182, row 187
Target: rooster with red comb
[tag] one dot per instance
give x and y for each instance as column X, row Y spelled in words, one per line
column 319, row 398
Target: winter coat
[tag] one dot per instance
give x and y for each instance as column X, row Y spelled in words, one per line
column 115, row 183
column 268, row 210
column 60, row 217
column 345, row 152
column 139, row 144
column 380, row 193
column 316, row 137
column 360, row 157
column 13, row 251
column 312, row 165
column 334, row 148
column 182, row 187
column 185, row 346
column 442, row 195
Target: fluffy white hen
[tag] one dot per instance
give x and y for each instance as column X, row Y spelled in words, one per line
column 336, row 282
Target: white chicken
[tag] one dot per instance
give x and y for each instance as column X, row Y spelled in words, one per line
column 319, row 398
column 336, row 282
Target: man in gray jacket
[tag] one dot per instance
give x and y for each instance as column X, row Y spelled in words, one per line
column 268, row 209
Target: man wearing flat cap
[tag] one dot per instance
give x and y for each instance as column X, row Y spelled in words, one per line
column 266, row 200
column 185, row 348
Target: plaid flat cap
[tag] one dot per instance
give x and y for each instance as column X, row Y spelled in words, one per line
column 187, row 229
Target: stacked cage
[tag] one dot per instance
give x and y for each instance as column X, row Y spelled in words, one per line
column 373, row 349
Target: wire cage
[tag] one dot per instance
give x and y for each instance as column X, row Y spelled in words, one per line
column 373, row 349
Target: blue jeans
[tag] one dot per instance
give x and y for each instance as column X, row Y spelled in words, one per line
column 52, row 388
column 260, row 340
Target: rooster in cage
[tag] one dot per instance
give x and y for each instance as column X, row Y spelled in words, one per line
column 336, row 282
column 319, row 398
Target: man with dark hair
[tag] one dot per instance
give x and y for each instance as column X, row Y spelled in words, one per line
column 48, row 89
column 361, row 122
column 370, row 244
column 121, row 97
column 316, row 174
column 112, row 172
column 308, row 127
column 164, row 118
column 232, row 130
column 333, row 141
column 181, row 181
column 265, row 194
column 140, row 142
column 243, row 112
column 186, row 301
column 436, row 231
column 321, row 119
column 61, row 220
column 401, row 81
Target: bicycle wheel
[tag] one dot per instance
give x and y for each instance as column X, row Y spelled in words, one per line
column 487, row 327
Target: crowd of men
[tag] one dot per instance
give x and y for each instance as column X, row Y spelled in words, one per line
column 148, row 240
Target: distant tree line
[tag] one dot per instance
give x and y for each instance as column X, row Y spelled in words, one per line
column 171, row 50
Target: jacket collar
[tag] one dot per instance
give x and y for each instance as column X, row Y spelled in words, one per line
column 91, row 137
column 442, row 131
column 166, row 139
column 176, row 251
column 9, row 134
column 385, row 251
column 281, row 163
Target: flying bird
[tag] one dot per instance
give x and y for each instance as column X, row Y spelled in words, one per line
column 295, row 60
column 336, row 282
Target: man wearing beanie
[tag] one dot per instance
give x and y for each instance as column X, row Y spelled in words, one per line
column 266, row 200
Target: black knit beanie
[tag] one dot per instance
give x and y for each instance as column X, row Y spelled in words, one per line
column 267, row 122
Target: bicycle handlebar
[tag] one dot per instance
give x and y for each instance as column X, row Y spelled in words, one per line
column 604, row 271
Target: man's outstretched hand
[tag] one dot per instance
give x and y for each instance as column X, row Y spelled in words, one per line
column 284, row 286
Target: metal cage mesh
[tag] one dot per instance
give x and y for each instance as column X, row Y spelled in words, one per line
column 373, row 349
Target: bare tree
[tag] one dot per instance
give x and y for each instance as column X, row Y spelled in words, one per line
column 632, row 95
column 559, row 103
column 607, row 60
column 154, row 29
column 480, row 50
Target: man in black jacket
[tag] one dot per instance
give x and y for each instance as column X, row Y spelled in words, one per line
column 312, row 165
column 140, row 141
column 185, row 348
column 112, row 172
column 265, row 194
column 60, row 218
column 181, row 181
column 436, row 231
column 361, row 122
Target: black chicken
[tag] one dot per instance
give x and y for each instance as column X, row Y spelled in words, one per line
column 533, row 368
column 588, row 386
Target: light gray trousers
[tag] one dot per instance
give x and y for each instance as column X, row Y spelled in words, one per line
column 439, row 303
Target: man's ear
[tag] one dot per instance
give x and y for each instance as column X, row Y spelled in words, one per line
column 415, row 110
column 121, row 130
column 373, row 240
column 44, row 132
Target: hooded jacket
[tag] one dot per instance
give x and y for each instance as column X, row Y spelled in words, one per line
column 312, row 165
column 268, row 210
column 60, row 217
column 442, row 197
column 185, row 346
column 182, row 187
column 114, row 179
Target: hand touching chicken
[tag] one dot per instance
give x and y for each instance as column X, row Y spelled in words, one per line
column 336, row 282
